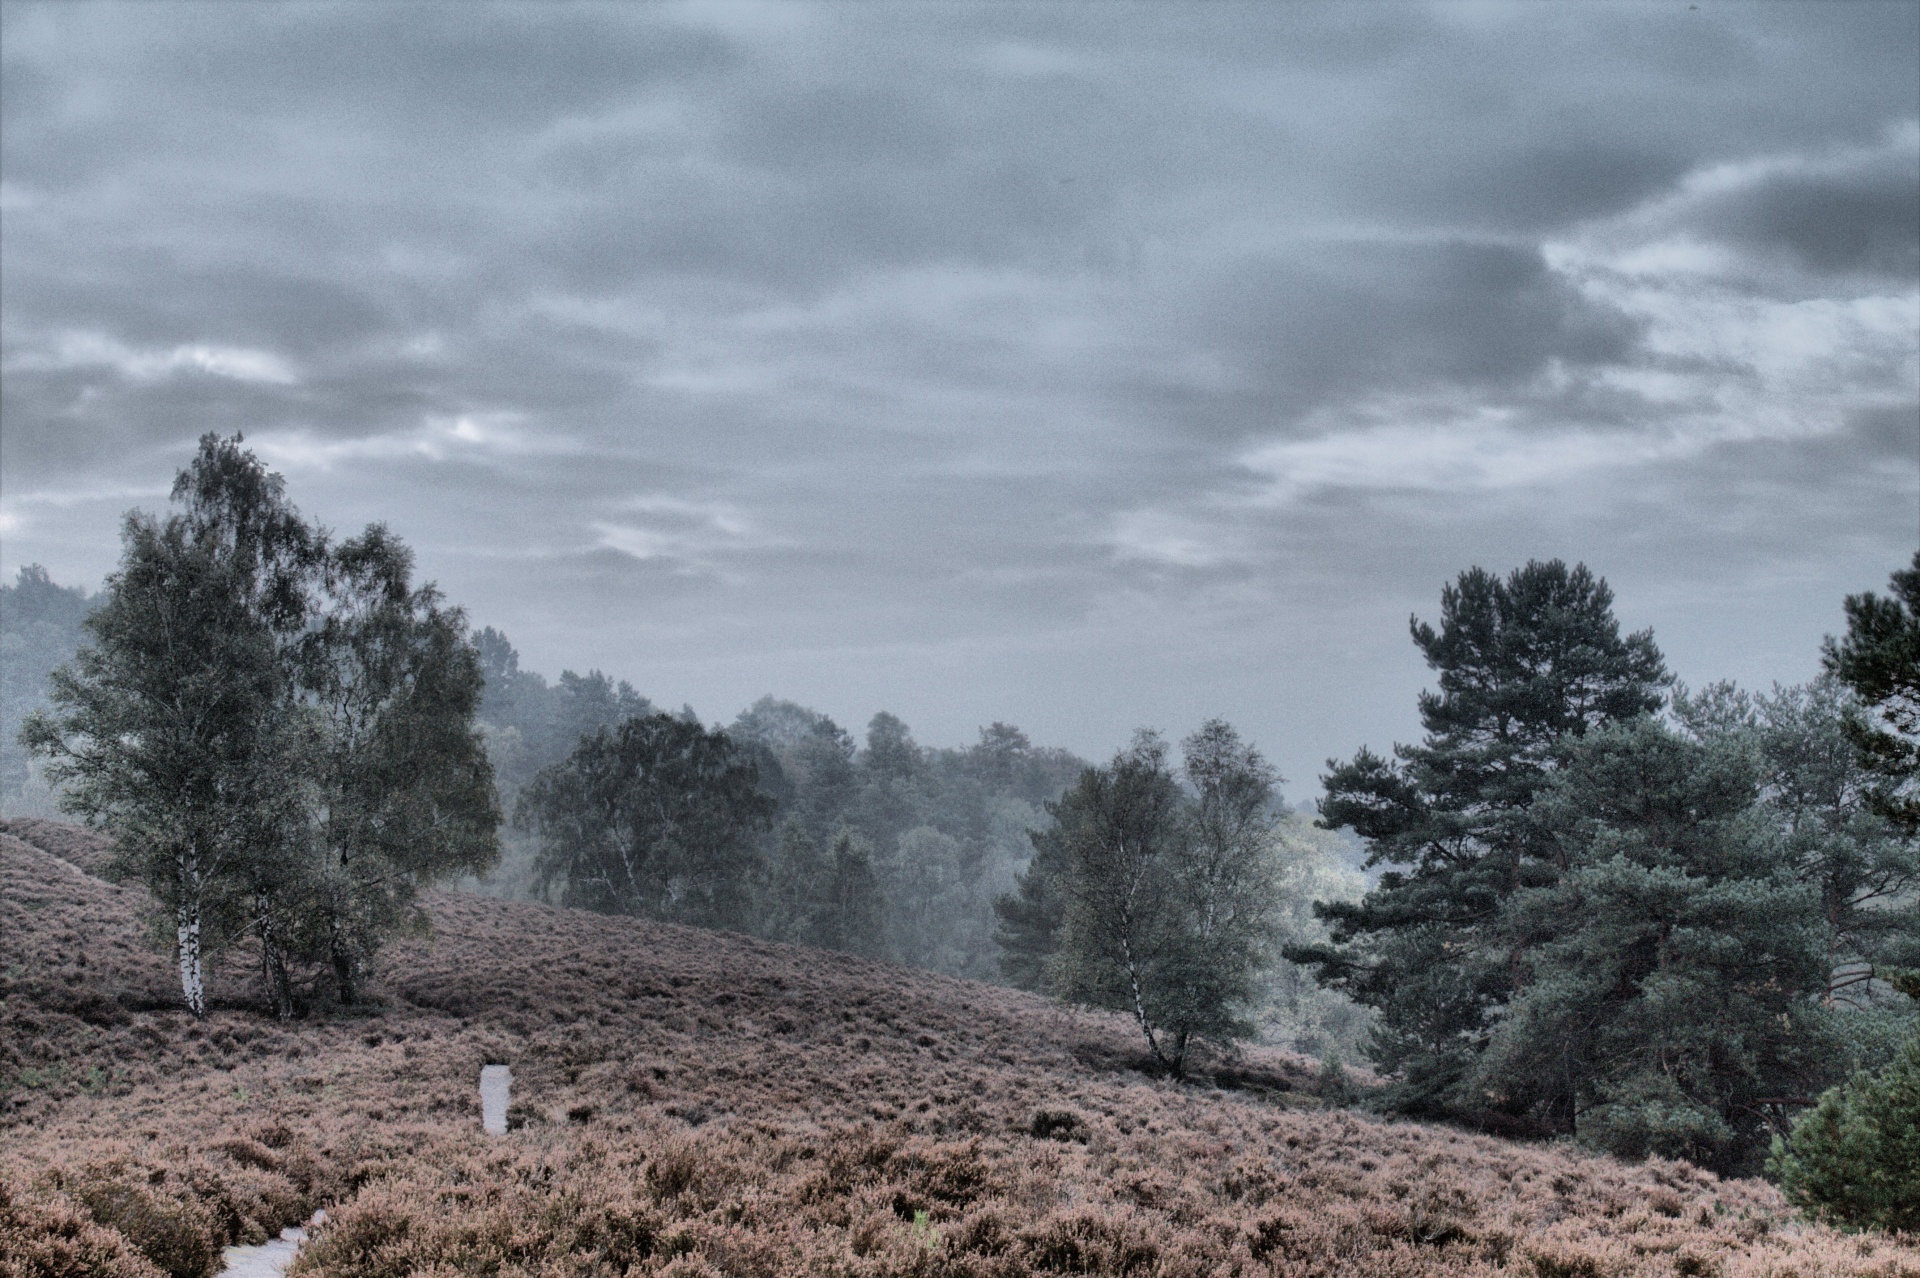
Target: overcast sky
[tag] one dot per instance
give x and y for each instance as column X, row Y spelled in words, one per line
column 1078, row 366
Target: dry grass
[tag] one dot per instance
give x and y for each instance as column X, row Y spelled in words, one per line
column 697, row 1103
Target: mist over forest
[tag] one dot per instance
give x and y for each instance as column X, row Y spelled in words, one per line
column 937, row 834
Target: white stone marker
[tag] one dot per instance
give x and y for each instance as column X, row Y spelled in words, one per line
column 495, row 1082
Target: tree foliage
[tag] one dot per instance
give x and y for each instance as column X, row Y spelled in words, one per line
column 204, row 727
column 1854, row 1158
column 657, row 817
column 1165, row 897
column 1030, row 917
column 406, row 790
column 1525, row 664
column 854, row 919
column 1880, row 660
column 829, row 900
column 945, row 830
column 1670, row 976
column 42, row 625
column 176, row 728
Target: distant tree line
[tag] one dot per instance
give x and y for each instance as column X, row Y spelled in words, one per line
column 779, row 825
column 41, row 625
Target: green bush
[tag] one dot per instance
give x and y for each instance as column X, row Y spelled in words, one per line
column 1854, row 1158
column 1648, row 1115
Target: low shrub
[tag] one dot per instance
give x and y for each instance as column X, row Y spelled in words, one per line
column 48, row 1238
column 1854, row 1158
column 174, row 1233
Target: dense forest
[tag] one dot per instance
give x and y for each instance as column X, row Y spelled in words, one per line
column 1659, row 920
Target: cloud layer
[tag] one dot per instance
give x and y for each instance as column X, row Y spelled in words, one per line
column 1082, row 366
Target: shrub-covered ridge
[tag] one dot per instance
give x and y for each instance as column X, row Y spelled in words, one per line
column 692, row 1102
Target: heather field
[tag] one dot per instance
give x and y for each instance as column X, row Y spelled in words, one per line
column 698, row 1103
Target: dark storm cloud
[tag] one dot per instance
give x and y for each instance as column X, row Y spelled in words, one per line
column 968, row 359
column 1341, row 318
column 1856, row 220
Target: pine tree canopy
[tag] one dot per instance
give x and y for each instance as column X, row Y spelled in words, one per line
column 1880, row 660
column 1524, row 665
column 1669, row 979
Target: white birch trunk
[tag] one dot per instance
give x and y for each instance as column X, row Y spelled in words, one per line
column 192, row 984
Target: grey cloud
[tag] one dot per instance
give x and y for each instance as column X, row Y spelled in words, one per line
column 926, row 298
column 1554, row 183
column 1834, row 223
column 1891, row 432
column 1336, row 319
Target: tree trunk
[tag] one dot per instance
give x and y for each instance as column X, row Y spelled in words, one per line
column 273, row 961
column 346, row 968
column 193, row 986
column 186, row 916
column 1140, row 1010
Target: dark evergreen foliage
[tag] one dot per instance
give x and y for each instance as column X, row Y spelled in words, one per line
column 1524, row 664
column 1880, row 660
column 1670, row 980
column 1854, row 1158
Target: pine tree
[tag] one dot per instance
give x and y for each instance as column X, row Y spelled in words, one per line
column 1671, row 973
column 1880, row 660
column 1854, row 1158
column 1824, row 802
column 1524, row 664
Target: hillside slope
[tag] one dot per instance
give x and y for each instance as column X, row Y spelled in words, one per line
column 691, row 1102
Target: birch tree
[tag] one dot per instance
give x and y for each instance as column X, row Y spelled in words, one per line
column 1167, row 896
column 403, row 791
column 173, row 729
